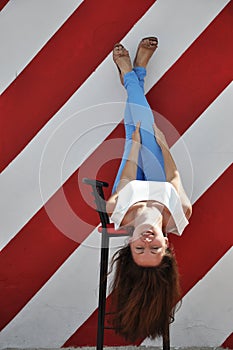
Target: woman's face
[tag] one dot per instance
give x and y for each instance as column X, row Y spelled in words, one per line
column 148, row 244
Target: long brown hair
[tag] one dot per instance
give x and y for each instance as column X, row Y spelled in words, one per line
column 143, row 298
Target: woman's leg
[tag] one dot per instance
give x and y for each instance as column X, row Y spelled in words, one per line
column 151, row 164
column 151, row 154
column 129, row 129
column 140, row 73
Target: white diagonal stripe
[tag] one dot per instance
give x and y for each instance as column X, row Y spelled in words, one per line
column 21, row 197
column 25, row 27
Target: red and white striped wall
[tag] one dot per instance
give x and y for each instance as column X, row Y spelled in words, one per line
column 61, row 111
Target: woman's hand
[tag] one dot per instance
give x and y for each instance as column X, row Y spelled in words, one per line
column 129, row 171
column 136, row 137
column 160, row 137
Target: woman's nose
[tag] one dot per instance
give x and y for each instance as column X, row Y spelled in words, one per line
column 147, row 237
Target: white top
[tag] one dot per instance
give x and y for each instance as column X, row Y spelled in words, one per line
column 162, row 192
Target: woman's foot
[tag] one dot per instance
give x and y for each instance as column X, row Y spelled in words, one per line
column 145, row 50
column 122, row 60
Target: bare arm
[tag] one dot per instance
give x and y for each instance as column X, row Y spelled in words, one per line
column 129, row 171
column 172, row 174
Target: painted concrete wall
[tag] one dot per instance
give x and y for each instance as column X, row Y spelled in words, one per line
column 61, row 113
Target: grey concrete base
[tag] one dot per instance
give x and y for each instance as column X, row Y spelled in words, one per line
column 122, row 348
column 145, row 348
column 142, row 348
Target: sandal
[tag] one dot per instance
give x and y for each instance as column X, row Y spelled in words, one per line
column 119, row 52
column 146, row 48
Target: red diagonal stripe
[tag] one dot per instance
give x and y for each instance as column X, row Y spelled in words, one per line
column 3, row 3
column 26, row 283
column 197, row 251
column 204, row 70
column 58, row 70
column 228, row 344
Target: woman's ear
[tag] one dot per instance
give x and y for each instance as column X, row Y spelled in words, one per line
column 166, row 242
column 131, row 239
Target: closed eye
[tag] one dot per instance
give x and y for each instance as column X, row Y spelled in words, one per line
column 139, row 250
column 155, row 250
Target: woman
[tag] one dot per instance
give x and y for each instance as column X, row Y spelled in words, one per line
column 149, row 198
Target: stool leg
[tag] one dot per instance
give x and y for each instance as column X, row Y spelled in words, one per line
column 102, row 288
column 166, row 339
column 97, row 187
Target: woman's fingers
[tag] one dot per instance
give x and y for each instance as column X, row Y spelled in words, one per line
column 136, row 134
column 137, row 129
column 156, row 129
column 160, row 137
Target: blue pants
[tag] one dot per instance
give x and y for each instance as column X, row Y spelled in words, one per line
column 150, row 160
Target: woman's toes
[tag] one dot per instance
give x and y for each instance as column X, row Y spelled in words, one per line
column 122, row 60
column 145, row 50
